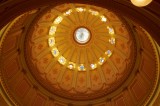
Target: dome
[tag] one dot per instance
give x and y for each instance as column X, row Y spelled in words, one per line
column 62, row 62
column 76, row 54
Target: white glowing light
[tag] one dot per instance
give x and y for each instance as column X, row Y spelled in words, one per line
column 52, row 30
column 93, row 66
column 62, row 60
column 141, row 3
column 108, row 53
column 81, row 67
column 80, row 9
column 94, row 12
column 55, row 52
column 51, row 41
column 58, row 20
column 103, row 18
column 112, row 41
column 101, row 60
column 68, row 12
column 82, row 35
column 71, row 65
column 110, row 30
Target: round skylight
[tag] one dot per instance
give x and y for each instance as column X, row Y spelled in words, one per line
column 82, row 35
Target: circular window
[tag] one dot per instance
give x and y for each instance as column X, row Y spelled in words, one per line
column 82, row 35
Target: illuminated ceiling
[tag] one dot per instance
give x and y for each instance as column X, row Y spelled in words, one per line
column 70, row 67
column 78, row 54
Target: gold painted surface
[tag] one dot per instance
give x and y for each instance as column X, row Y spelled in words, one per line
column 64, row 82
column 78, row 70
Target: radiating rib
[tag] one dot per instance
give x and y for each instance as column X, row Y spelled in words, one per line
column 63, row 26
column 62, row 34
column 112, row 65
column 76, row 71
column 120, row 53
column 86, row 16
column 90, row 19
column 86, row 56
column 124, row 39
column 105, row 34
column 74, row 13
column 78, row 16
column 69, row 20
column 97, row 50
column 74, row 79
column 43, row 53
column 79, row 56
column 94, row 59
column 71, row 54
column 104, row 42
column 104, row 37
column 40, row 39
column 61, row 46
column 99, row 26
column 82, row 59
column 65, row 17
column 60, row 39
column 103, row 79
column 59, row 79
column 82, row 17
column 93, row 21
column 64, row 50
column 50, row 65
column 102, row 49
column 88, row 79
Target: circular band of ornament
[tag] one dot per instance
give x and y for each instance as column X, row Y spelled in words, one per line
column 82, row 36
column 88, row 69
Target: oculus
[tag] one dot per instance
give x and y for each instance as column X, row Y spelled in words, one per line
column 82, row 35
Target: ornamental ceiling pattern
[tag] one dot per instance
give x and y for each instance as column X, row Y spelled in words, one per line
column 31, row 75
column 76, row 69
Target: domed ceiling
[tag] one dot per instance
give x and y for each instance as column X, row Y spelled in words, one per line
column 78, row 54
column 80, row 50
